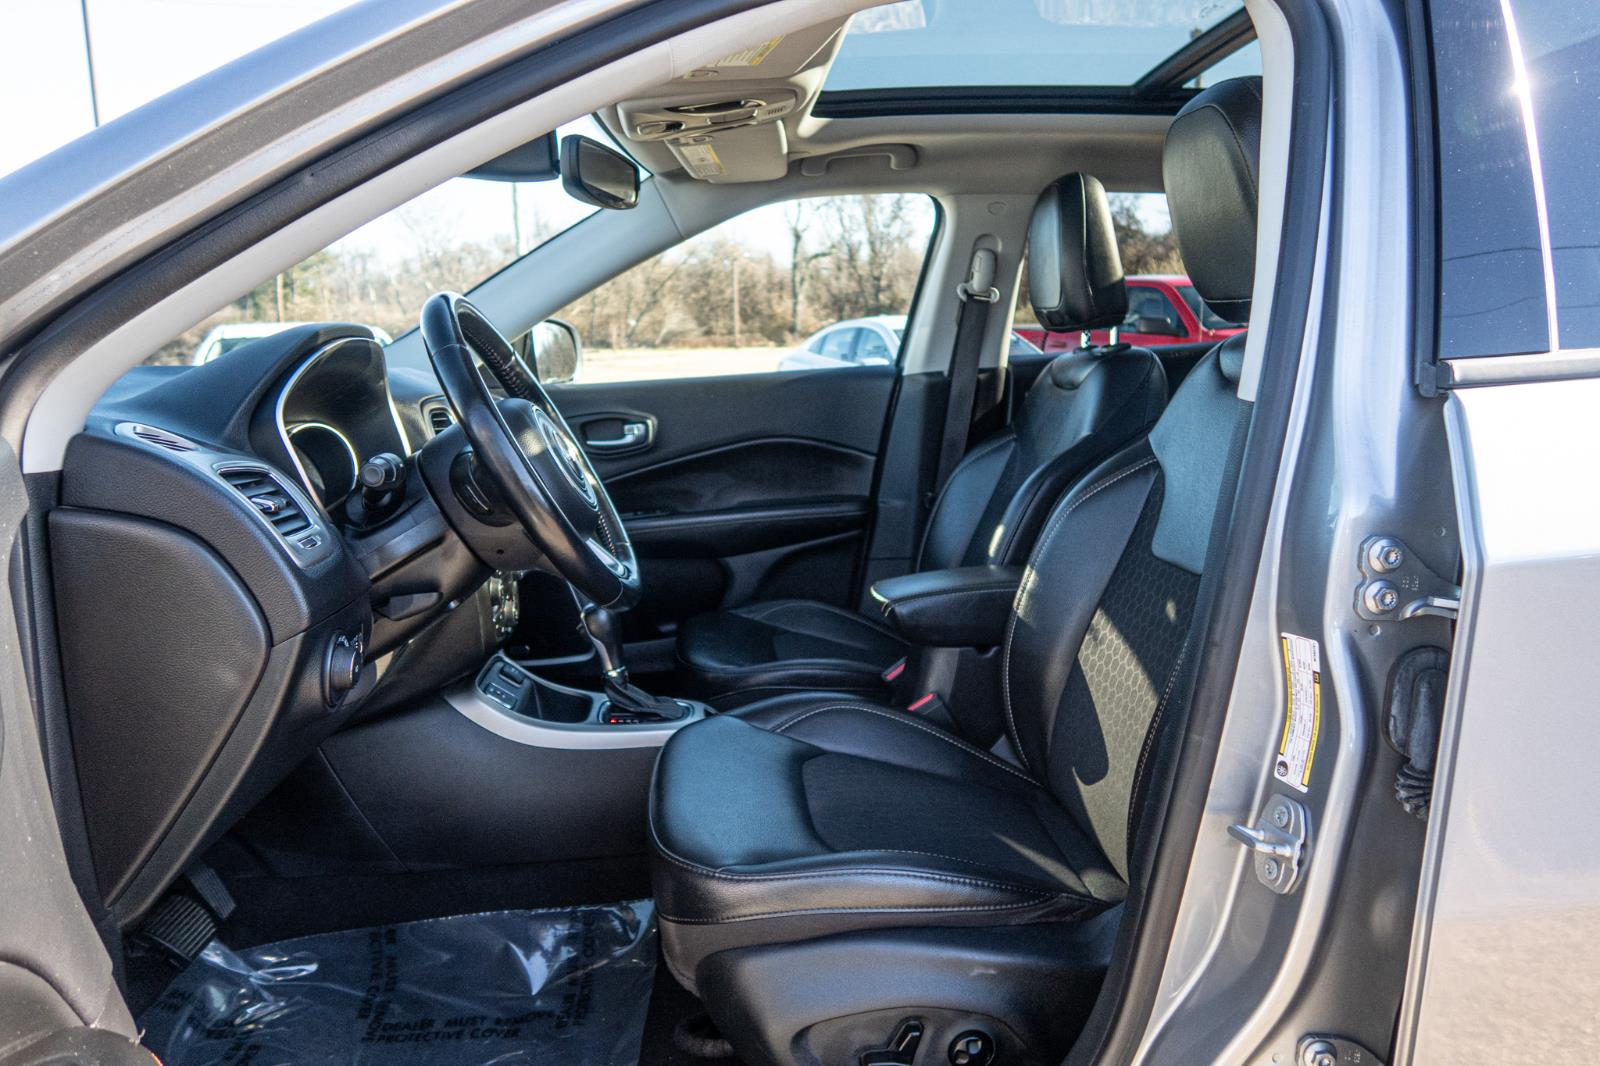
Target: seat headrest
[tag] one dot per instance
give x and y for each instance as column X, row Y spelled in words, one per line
column 1074, row 268
column 1211, row 169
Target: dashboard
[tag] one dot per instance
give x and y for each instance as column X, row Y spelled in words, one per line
column 229, row 593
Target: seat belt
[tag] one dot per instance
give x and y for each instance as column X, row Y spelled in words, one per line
column 978, row 295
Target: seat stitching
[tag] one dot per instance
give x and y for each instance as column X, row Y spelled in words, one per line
column 1149, row 737
column 815, row 875
column 1011, row 625
column 801, row 716
column 937, row 735
column 971, row 907
column 820, row 875
column 970, row 590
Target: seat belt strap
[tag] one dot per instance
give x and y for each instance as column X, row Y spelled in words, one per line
column 978, row 295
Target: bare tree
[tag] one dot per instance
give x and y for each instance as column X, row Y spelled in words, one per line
column 798, row 216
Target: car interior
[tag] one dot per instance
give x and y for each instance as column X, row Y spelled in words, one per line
column 867, row 678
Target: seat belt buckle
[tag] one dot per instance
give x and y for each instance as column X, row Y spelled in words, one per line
column 928, row 705
column 890, row 675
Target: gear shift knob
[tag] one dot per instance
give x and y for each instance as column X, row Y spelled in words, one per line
column 605, row 630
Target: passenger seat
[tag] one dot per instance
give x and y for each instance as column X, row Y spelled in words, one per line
column 1085, row 405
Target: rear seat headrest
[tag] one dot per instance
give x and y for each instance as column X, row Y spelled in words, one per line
column 1211, row 171
column 1074, row 269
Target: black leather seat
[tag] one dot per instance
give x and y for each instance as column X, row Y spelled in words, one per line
column 1084, row 405
column 821, row 820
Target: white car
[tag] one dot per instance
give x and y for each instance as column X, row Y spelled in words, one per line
column 871, row 341
column 223, row 339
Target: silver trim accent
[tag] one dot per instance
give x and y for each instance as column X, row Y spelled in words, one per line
column 1474, row 370
column 1523, row 90
column 294, row 379
column 355, row 460
column 572, row 736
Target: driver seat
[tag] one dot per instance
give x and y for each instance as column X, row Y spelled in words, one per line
column 835, row 876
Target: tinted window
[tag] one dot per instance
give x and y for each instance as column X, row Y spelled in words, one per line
column 1202, row 310
column 1144, row 302
column 1561, row 50
column 838, row 344
column 1491, row 272
column 872, row 347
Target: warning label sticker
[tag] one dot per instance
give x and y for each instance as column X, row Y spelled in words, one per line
column 752, row 56
column 703, row 161
column 1302, row 714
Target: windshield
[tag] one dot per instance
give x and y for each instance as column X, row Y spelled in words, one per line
column 1209, row 319
column 451, row 237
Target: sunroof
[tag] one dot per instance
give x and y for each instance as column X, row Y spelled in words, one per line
column 919, row 44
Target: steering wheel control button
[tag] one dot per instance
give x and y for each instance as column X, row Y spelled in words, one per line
column 972, row 1048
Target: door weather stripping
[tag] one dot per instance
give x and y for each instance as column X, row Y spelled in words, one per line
column 1396, row 585
column 1280, row 840
column 1333, row 1051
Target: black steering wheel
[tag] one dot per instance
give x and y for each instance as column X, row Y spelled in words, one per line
column 528, row 451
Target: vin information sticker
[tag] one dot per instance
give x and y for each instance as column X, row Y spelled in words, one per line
column 1302, row 714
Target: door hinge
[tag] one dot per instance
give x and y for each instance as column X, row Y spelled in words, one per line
column 1318, row 1050
column 1396, row 585
column 1280, row 840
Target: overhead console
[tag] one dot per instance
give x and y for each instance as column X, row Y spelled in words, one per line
column 732, row 120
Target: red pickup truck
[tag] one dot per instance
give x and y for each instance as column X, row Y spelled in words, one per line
column 1162, row 309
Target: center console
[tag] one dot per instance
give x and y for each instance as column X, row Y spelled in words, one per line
column 514, row 703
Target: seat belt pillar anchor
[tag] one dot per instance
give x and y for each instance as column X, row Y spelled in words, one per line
column 980, row 277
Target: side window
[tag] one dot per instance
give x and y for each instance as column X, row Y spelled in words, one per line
column 872, row 349
column 839, row 344
column 759, row 292
column 1146, row 304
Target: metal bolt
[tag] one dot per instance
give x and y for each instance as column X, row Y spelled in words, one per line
column 1269, row 869
column 1319, row 1053
column 1385, row 554
column 1280, row 817
column 1380, row 597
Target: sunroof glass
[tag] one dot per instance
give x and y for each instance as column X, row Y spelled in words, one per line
column 1009, row 43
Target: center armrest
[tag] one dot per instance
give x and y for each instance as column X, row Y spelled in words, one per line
column 967, row 607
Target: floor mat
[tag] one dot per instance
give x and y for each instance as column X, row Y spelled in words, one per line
column 509, row 987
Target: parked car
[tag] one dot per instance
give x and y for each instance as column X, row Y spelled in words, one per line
column 871, row 341
column 1162, row 309
column 225, row 338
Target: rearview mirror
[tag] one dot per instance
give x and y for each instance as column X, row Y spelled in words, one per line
column 598, row 175
column 1155, row 326
column 557, row 354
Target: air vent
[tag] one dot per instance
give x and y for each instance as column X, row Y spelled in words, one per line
column 161, row 438
column 440, row 418
column 268, row 496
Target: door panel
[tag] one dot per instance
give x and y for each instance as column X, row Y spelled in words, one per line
column 741, row 488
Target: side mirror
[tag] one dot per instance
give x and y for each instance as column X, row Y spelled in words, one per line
column 557, row 352
column 1155, row 326
column 595, row 174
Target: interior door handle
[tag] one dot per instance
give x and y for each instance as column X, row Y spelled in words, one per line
column 633, row 435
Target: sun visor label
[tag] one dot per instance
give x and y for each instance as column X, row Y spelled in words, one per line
column 1302, row 713
column 702, row 160
column 752, row 56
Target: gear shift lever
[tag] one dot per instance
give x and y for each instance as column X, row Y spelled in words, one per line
column 604, row 629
